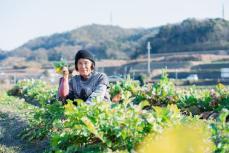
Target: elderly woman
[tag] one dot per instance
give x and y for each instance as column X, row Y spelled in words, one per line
column 88, row 85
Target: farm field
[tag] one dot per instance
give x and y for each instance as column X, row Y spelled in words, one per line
column 149, row 118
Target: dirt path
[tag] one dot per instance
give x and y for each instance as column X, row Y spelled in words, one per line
column 14, row 114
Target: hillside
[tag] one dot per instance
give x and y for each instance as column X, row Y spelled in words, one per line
column 113, row 42
column 103, row 41
column 192, row 35
column 2, row 54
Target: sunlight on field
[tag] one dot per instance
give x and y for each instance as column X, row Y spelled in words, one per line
column 185, row 138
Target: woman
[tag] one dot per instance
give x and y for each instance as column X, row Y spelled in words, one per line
column 88, row 85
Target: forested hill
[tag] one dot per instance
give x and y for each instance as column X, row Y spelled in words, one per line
column 113, row 42
column 192, row 35
column 104, row 41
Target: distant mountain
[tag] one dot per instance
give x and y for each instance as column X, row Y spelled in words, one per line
column 113, row 42
column 192, row 35
column 103, row 41
column 3, row 54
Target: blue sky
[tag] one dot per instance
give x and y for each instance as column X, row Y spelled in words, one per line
column 22, row 20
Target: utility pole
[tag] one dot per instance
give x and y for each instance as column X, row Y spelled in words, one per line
column 111, row 18
column 223, row 11
column 176, row 74
column 148, row 48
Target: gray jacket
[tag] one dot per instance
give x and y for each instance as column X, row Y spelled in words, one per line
column 95, row 86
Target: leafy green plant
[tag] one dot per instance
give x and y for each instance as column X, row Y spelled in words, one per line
column 34, row 91
column 58, row 66
column 107, row 126
column 220, row 131
column 42, row 122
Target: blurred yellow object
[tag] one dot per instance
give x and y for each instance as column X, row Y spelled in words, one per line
column 58, row 70
column 69, row 108
column 184, row 138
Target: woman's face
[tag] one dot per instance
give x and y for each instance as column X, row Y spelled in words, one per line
column 84, row 67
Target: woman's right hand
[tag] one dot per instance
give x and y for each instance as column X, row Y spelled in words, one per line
column 63, row 90
column 65, row 72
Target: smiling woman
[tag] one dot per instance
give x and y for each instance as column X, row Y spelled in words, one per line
column 88, row 85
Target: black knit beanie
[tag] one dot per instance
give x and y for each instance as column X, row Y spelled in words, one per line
column 84, row 54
